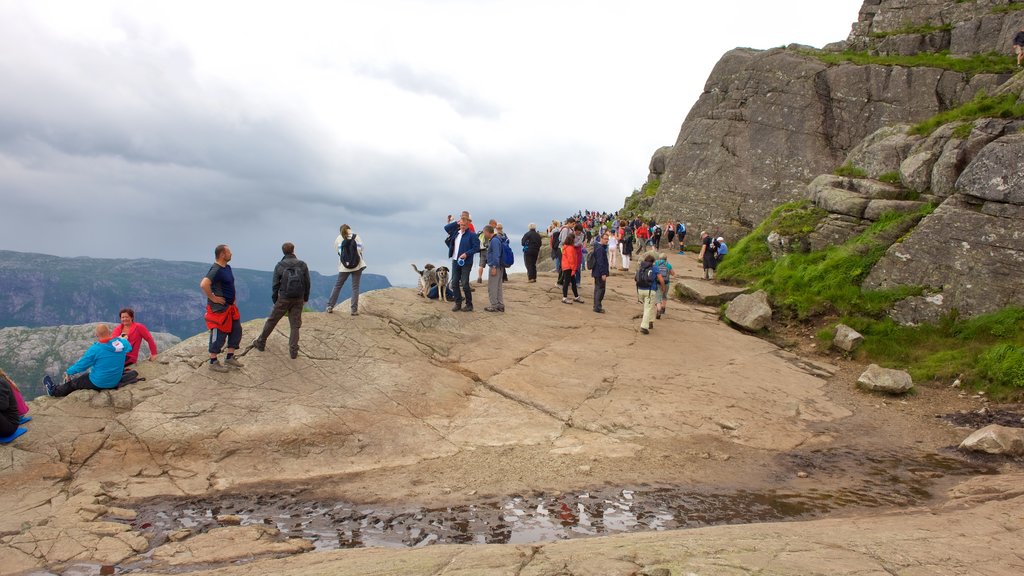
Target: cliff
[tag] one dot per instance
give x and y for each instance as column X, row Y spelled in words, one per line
column 768, row 122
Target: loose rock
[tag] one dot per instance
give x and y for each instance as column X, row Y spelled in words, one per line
column 879, row 379
column 996, row 439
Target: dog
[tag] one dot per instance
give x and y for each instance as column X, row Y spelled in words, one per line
column 428, row 278
column 442, row 283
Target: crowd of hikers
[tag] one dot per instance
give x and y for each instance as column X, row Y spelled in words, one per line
column 588, row 241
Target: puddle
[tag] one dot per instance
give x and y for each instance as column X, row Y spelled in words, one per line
column 838, row 481
column 980, row 418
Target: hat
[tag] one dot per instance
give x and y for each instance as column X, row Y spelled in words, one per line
column 720, row 239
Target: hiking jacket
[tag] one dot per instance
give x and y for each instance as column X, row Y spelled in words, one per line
column 337, row 250
column 470, row 243
column 106, row 358
column 532, row 241
column 136, row 334
column 494, row 251
column 290, row 261
column 570, row 259
column 600, row 260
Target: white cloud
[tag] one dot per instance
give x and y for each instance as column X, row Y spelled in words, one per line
column 256, row 122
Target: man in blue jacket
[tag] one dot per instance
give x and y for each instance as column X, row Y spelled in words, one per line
column 462, row 245
column 600, row 271
column 105, row 358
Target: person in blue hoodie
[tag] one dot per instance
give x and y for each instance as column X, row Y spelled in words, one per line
column 100, row 368
column 462, row 245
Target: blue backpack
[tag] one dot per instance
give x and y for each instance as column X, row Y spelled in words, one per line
column 508, row 257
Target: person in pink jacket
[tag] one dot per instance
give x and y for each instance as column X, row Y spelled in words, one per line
column 135, row 333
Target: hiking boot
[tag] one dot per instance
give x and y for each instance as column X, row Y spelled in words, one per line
column 599, row 310
column 468, row 308
column 50, row 386
column 644, row 331
column 657, row 315
column 294, row 354
column 261, row 346
column 355, row 312
column 457, row 307
column 233, row 363
column 491, row 309
column 218, row 367
column 330, row 309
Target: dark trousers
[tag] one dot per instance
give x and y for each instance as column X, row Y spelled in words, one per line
column 293, row 308
column 569, row 280
column 342, row 277
column 531, row 264
column 234, row 338
column 460, row 282
column 82, row 382
column 599, row 287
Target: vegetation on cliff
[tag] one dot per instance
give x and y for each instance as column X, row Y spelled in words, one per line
column 988, row 63
column 983, row 106
column 825, row 287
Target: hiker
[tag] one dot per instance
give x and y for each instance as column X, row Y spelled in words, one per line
column 670, row 232
column 531, row 250
column 613, row 252
column 563, row 233
column 483, row 251
column 708, row 255
column 601, row 269
column 222, row 316
column 626, row 248
column 499, row 231
column 289, row 294
column 495, row 292
column 349, row 247
column 13, row 409
column 661, row 296
column 1018, row 46
column 648, row 279
column 656, row 236
column 570, row 269
column 462, row 245
column 100, row 368
column 721, row 250
column 135, row 333
column 680, row 236
column 556, row 254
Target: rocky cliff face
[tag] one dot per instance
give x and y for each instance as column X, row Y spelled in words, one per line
column 27, row 353
column 770, row 121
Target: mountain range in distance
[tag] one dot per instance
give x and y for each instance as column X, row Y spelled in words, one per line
column 41, row 290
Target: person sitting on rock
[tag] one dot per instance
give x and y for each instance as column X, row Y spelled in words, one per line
column 100, row 368
column 135, row 333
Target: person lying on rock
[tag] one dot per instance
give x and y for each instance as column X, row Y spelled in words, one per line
column 100, row 368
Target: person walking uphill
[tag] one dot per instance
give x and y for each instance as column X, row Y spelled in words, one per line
column 349, row 247
column 531, row 250
column 289, row 294
column 648, row 279
column 462, row 245
column 600, row 270
column 222, row 316
column 495, row 291
column 100, row 368
column 1018, row 46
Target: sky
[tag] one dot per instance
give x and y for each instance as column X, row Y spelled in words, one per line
column 160, row 129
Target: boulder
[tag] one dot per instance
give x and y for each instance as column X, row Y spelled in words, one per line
column 750, row 311
column 878, row 379
column 779, row 245
column 995, row 175
column 847, row 338
column 883, row 151
column 996, row 439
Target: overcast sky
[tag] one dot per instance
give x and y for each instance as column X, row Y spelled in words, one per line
column 160, row 129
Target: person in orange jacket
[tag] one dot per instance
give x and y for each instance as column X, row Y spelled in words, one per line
column 570, row 267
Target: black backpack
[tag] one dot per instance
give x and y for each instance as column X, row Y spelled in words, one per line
column 292, row 285
column 646, row 276
column 592, row 258
column 348, row 252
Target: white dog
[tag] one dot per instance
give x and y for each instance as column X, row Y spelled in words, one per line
column 428, row 278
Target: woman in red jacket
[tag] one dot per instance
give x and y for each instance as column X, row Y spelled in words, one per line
column 135, row 333
column 570, row 266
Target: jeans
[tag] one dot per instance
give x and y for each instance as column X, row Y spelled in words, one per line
column 342, row 277
column 293, row 308
column 599, row 288
column 460, row 282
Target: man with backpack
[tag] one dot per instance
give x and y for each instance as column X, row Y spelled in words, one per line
column 289, row 294
column 495, row 251
column 648, row 279
column 599, row 269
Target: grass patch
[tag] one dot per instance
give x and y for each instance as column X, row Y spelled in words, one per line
column 850, row 171
column 983, row 106
column 926, row 29
column 635, row 202
column 1011, row 7
column 891, row 178
column 989, row 63
column 750, row 259
column 987, row 350
column 963, row 131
